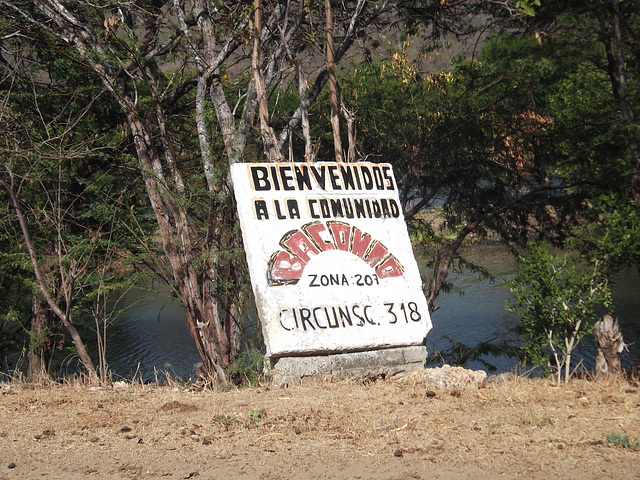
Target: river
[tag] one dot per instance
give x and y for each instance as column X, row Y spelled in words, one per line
column 150, row 338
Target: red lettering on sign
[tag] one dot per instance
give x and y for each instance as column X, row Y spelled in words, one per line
column 341, row 233
column 390, row 268
column 375, row 255
column 300, row 245
column 315, row 231
column 286, row 266
column 360, row 242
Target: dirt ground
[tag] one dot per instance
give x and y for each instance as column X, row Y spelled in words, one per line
column 384, row 429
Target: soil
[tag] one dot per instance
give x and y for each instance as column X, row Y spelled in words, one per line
column 373, row 429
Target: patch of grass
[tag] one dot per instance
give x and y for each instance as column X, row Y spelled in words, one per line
column 539, row 422
column 227, row 421
column 247, row 368
column 623, row 441
column 255, row 416
column 112, row 396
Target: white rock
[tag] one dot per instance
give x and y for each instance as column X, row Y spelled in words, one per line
column 448, row 376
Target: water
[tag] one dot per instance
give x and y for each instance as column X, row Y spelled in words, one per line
column 475, row 312
column 479, row 314
column 150, row 339
column 151, row 336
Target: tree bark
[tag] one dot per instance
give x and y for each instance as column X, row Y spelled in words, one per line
column 619, row 80
column 201, row 307
column 333, row 83
column 44, row 288
column 350, row 118
column 271, row 149
column 39, row 341
column 610, row 345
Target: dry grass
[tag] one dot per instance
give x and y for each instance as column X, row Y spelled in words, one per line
column 391, row 429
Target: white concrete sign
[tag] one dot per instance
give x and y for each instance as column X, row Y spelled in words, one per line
column 331, row 263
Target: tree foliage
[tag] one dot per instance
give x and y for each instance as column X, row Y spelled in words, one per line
column 517, row 138
column 68, row 196
column 180, row 73
column 472, row 143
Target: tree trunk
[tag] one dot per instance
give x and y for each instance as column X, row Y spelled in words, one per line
column 443, row 263
column 41, row 281
column 333, row 84
column 350, row 118
column 617, row 73
column 323, row 77
column 610, row 345
column 39, row 341
column 271, row 149
column 198, row 298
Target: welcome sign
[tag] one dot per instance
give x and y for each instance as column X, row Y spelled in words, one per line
column 330, row 259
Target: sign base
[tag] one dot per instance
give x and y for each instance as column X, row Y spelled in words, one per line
column 342, row 366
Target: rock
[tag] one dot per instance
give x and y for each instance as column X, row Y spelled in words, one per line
column 448, row 377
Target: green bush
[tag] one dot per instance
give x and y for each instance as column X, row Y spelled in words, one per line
column 247, row 368
column 556, row 296
column 619, row 440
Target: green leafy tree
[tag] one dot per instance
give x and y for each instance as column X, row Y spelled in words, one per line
column 613, row 234
column 596, row 100
column 191, row 78
column 517, row 138
column 556, row 295
column 470, row 144
column 68, row 200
